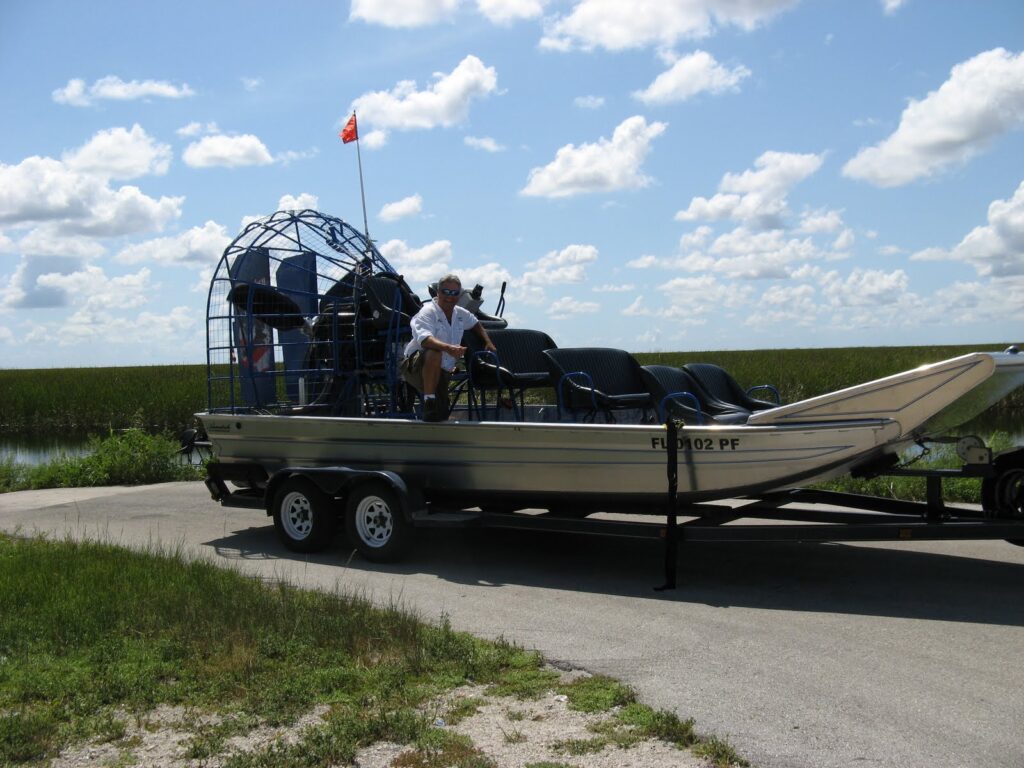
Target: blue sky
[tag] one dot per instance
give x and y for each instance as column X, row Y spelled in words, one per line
column 650, row 175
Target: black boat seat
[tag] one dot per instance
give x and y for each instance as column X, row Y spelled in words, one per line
column 722, row 392
column 597, row 379
column 676, row 394
column 518, row 365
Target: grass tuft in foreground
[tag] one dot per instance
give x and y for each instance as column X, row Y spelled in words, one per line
column 89, row 629
column 92, row 634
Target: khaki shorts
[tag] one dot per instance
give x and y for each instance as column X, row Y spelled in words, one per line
column 411, row 369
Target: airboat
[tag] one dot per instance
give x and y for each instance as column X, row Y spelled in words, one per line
column 309, row 420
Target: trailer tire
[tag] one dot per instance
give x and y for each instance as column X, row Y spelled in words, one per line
column 1002, row 496
column 375, row 524
column 305, row 517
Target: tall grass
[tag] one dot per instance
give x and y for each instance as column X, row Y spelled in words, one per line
column 157, row 397
column 165, row 397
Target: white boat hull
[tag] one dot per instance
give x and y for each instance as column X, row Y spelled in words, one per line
column 499, row 458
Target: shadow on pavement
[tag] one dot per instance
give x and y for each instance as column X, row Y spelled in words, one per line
column 828, row 578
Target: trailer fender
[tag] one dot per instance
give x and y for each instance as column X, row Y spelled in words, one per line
column 337, row 481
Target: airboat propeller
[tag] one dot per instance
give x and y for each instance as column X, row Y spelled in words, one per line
column 268, row 305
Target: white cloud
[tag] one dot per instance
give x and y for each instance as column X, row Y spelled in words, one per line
column 565, row 307
column 689, row 76
column 120, row 153
column 41, row 189
column 98, row 325
column 866, row 287
column 403, row 13
column 755, row 197
column 589, row 102
column 789, row 304
column 995, row 249
column 614, row 288
column 94, row 290
column 420, row 13
column 982, row 99
column 111, row 87
column 485, row 143
column 197, row 247
column 407, row 206
column 291, row 155
column 227, row 152
column 604, row 166
column 507, row 11
column 195, row 129
column 637, row 309
column 559, row 267
column 891, row 6
column 24, row 289
column 749, row 255
column 814, row 222
column 48, row 240
column 6, row 335
column 490, row 275
column 252, row 83
column 692, row 297
column 644, row 262
column 445, row 103
column 616, row 26
column 695, row 239
column 990, row 302
column 424, row 264
column 374, row 139
column 303, row 201
column 844, row 241
column 741, row 254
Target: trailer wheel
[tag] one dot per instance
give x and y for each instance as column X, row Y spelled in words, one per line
column 1002, row 496
column 304, row 516
column 375, row 524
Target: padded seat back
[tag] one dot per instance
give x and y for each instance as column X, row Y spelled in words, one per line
column 614, row 374
column 521, row 357
column 722, row 391
column 665, row 380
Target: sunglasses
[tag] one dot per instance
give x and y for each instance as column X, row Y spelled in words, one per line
column 450, row 291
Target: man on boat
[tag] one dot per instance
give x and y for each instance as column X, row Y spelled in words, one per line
column 436, row 346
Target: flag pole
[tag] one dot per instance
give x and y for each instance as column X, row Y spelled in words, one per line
column 362, row 191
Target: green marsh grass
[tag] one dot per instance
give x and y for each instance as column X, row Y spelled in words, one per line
column 84, row 399
column 166, row 396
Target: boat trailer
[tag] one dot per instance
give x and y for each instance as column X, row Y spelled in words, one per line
column 842, row 516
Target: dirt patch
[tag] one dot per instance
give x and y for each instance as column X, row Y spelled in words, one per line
column 511, row 732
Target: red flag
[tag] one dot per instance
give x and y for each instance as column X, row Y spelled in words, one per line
column 349, row 132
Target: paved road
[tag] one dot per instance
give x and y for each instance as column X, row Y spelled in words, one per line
column 804, row 656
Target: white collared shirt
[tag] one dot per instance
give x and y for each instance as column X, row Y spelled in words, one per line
column 430, row 321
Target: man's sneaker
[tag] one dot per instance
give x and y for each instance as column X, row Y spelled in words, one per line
column 432, row 410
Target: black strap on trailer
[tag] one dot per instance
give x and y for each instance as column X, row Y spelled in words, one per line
column 671, row 532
